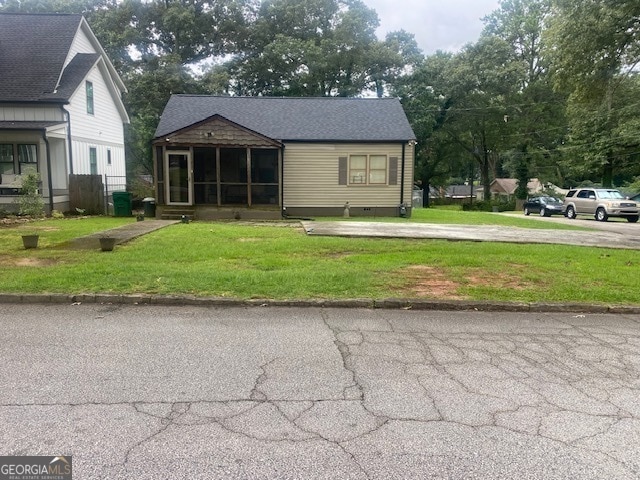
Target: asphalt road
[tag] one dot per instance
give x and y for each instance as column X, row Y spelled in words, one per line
column 283, row 393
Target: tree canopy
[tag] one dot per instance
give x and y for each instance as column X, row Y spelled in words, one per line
column 549, row 90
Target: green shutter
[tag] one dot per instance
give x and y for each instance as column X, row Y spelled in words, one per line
column 343, row 168
column 393, row 170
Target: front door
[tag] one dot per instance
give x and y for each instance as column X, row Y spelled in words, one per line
column 178, row 165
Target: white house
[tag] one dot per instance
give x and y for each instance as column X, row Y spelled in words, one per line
column 61, row 110
column 252, row 157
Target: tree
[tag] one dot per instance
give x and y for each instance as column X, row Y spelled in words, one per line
column 596, row 49
column 318, row 48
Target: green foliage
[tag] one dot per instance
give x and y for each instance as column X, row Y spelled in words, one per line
column 30, row 201
column 489, row 206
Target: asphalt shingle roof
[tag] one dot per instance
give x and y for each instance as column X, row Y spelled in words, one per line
column 33, row 49
column 294, row 119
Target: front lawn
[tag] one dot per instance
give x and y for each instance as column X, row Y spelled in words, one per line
column 280, row 262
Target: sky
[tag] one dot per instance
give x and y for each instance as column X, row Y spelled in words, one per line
column 437, row 24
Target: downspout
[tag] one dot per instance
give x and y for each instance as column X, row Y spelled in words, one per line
column 68, row 115
column 49, row 179
column 404, row 147
column 283, row 209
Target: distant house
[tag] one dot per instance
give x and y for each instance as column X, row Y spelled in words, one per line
column 218, row 157
column 61, row 110
column 506, row 187
column 458, row 193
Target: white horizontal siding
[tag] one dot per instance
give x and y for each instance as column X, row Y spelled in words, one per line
column 105, row 125
column 311, row 176
column 30, row 114
column 81, row 44
column 82, row 165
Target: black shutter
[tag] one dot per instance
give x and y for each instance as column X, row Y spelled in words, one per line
column 342, row 170
column 393, row 170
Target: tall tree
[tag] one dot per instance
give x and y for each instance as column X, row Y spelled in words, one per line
column 596, row 49
column 318, row 48
column 535, row 112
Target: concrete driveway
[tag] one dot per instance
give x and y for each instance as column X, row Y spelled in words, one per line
column 283, row 393
column 615, row 236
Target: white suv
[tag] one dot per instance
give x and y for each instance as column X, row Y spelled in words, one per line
column 600, row 202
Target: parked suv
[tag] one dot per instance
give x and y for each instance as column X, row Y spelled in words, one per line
column 600, row 202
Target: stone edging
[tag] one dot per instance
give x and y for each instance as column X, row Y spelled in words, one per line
column 389, row 304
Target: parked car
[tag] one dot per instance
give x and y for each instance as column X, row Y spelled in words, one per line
column 545, row 206
column 601, row 203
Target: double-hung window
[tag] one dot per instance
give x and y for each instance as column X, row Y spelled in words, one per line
column 368, row 170
column 25, row 153
column 6, row 159
column 27, row 158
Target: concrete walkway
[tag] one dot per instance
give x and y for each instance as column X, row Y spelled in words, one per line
column 122, row 234
column 479, row 233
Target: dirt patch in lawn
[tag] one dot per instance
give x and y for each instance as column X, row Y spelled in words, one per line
column 429, row 282
column 432, row 282
column 26, row 262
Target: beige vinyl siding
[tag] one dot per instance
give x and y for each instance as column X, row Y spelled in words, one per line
column 311, row 176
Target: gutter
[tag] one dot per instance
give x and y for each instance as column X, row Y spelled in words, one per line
column 283, row 209
column 66, row 113
column 404, row 148
column 49, row 179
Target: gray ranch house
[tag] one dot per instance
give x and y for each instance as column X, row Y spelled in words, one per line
column 61, row 110
column 266, row 157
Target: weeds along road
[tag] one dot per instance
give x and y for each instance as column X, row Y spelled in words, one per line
column 190, row 392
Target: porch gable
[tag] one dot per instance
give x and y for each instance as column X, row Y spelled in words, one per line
column 219, row 131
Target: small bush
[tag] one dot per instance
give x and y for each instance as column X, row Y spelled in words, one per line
column 489, row 206
column 30, row 201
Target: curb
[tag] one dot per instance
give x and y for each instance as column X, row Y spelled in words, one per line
column 383, row 304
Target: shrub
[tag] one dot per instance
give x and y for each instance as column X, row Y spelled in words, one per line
column 489, row 205
column 30, row 201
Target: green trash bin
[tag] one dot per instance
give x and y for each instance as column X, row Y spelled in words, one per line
column 121, row 204
column 149, row 207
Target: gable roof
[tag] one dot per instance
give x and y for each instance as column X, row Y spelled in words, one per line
column 293, row 118
column 33, row 49
column 509, row 185
column 33, row 52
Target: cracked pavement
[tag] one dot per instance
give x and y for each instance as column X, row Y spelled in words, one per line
column 192, row 392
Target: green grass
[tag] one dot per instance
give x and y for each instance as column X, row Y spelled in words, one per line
column 226, row 259
column 454, row 216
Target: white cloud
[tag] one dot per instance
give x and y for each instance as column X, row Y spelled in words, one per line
column 436, row 24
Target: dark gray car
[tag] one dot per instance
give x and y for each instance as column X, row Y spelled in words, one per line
column 545, row 206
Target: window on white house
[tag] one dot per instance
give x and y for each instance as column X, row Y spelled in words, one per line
column 27, row 158
column 89, row 90
column 6, row 159
column 367, row 170
column 93, row 160
column 108, row 156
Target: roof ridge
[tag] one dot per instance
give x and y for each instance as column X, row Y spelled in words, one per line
column 42, row 14
column 257, row 97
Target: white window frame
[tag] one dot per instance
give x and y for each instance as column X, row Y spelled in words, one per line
column 362, row 176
